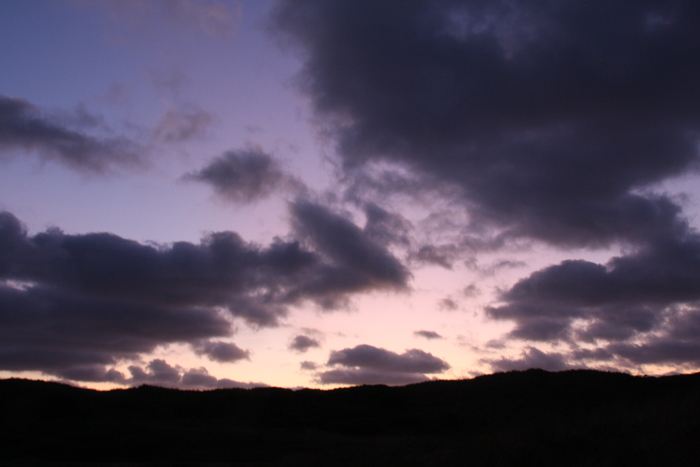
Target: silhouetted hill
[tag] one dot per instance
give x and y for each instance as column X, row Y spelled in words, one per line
column 571, row 418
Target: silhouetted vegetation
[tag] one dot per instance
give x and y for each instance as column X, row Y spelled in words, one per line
column 530, row 418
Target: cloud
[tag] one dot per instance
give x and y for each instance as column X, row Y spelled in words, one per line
column 199, row 378
column 547, row 118
column 448, row 304
column 641, row 307
column 170, row 79
column 302, row 343
column 75, row 304
column 614, row 301
column 530, row 358
column 93, row 373
column 367, row 356
column 365, row 364
column 361, row 376
column 221, row 271
column 442, row 255
column 359, row 263
column 160, row 373
column 61, row 138
column 157, row 372
column 386, row 228
column 223, row 352
column 53, row 331
column 307, row 365
column 178, row 126
column 471, row 290
column 212, row 17
column 245, row 176
column 427, row 334
column 547, row 122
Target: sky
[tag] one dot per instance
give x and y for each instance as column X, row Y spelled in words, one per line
column 320, row 193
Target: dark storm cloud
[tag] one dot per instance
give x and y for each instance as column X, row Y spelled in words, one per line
column 245, row 176
column 302, row 343
column 365, row 364
column 428, row 334
column 75, row 304
column 25, row 127
column 547, row 115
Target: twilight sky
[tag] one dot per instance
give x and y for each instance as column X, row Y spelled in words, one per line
column 319, row 193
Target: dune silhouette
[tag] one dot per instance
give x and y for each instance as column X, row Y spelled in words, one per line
column 533, row 417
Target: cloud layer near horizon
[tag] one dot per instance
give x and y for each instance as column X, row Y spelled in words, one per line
column 71, row 302
column 366, row 364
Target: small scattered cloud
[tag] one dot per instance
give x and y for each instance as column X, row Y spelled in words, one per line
column 307, row 365
column 365, row 364
column 448, row 304
column 170, row 80
column 430, row 335
column 245, row 176
column 223, row 352
column 471, row 290
column 179, row 126
column 301, row 343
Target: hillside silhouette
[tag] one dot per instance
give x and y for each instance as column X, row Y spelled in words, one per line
column 529, row 418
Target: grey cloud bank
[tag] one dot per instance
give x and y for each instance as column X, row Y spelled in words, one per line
column 554, row 121
column 366, row 364
column 76, row 304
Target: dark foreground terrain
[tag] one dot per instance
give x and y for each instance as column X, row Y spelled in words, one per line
column 531, row 418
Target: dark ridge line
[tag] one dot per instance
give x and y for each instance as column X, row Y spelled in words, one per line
column 533, row 417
